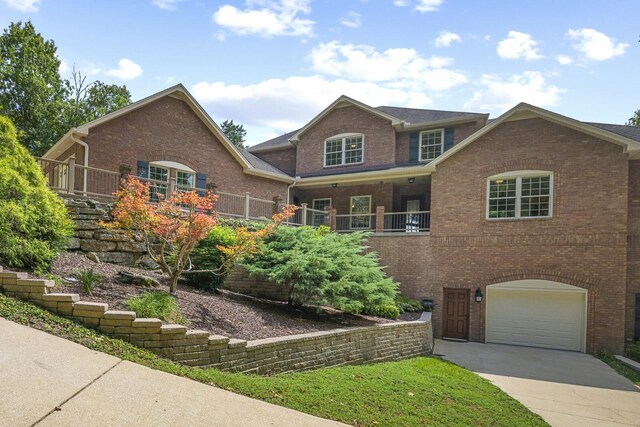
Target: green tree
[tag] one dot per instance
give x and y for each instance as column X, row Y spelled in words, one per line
column 234, row 132
column 635, row 120
column 31, row 90
column 86, row 102
column 326, row 268
column 34, row 226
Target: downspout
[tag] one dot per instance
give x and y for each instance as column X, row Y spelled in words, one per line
column 295, row 181
column 86, row 160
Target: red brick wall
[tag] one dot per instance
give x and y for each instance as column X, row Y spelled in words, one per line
column 460, row 132
column 284, row 159
column 584, row 244
column 379, row 140
column 167, row 129
column 633, row 250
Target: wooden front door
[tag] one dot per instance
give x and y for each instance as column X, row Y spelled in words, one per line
column 455, row 319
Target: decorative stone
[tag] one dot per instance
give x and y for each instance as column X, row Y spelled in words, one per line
column 93, row 257
column 61, row 297
column 148, row 263
column 97, row 246
column 121, row 315
column 86, row 224
column 73, row 243
column 112, row 235
column 137, row 279
column 91, row 306
column 124, row 258
column 84, row 234
column 172, row 329
column 146, row 323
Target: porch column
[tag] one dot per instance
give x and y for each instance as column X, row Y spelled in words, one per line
column 247, row 205
column 212, row 187
column 125, row 171
column 304, row 213
column 277, row 204
column 379, row 219
column 71, row 175
column 331, row 220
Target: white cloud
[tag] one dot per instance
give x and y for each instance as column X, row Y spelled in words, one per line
column 23, row 5
column 267, row 18
column 397, row 68
column 421, row 5
column 595, row 45
column 518, row 45
column 428, row 5
column 298, row 100
column 166, row 4
column 500, row 94
column 351, row 20
column 564, row 59
column 64, row 69
column 166, row 80
column 446, row 38
column 127, row 70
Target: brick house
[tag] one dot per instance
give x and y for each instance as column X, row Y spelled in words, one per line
column 521, row 230
column 167, row 138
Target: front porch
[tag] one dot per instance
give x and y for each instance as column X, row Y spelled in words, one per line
column 399, row 205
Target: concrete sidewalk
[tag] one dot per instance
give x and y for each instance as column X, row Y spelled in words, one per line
column 49, row 381
column 565, row 388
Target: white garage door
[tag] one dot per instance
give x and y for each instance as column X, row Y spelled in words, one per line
column 536, row 313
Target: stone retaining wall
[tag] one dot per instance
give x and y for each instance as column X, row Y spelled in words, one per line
column 391, row 341
column 240, row 281
column 105, row 245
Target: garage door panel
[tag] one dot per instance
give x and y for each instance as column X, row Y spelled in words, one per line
column 551, row 319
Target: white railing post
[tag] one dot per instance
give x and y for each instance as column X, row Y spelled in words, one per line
column 247, row 205
column 172, row 187
column 71, row 175
column 304, row 214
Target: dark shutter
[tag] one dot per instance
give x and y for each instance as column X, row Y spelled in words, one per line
column 201, row 182
column 143, row 169
column 448, row 138
column 414, row 146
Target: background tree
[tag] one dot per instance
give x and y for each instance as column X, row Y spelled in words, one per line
column 31, row 90
column 635, row 120
column 234, row 132
column 88, row 101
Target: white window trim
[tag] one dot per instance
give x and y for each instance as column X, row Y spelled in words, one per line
column 313, row 201
column 342, row 136
column 351, row 213
column 420, row 144
column 519, row 175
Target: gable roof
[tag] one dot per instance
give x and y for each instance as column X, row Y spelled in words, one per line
column 281, row 141
column 524, row 111
column 340, row 102
column 418, row 115
column 180, row 92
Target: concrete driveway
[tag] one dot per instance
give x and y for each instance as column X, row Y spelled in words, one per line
column 564, row 388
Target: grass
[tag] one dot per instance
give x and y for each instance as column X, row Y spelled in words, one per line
column 619, row 367
column 157, row 304
column 415, row 392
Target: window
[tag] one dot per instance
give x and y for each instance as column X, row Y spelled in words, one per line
column 159, row 178
column 526, row 194
column 343, row 150
column 185, row 180
column 360, row 205
column 431, row 144
column 319, row 205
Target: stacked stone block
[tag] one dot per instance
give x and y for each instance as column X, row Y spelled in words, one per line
column 391, row 341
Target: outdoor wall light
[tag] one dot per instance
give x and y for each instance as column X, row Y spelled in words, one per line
column 479, row 295
column 334, row 185
column 411, row 180
column 427, row 304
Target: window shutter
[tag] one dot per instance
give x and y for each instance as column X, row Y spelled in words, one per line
column 201, row 181
column 414, row 146
column 448, row 138
column 143, row 169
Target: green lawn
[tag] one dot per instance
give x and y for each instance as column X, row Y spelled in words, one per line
column 416, row 392
column 620, row 367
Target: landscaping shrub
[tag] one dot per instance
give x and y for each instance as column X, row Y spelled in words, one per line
column 207, row 256
column 408, row 305
column 633, row 351
column 156, row 304
column 325, row 268
column 88, row 278
column 34, row 225
column 390, row 311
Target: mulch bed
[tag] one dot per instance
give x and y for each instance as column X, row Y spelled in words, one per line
column 228, row 314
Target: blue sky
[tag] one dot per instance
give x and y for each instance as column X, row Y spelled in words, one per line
column 272, row 65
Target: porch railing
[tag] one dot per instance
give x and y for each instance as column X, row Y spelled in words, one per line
column 407, row 222
column 346, row 223
column 307, row 216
